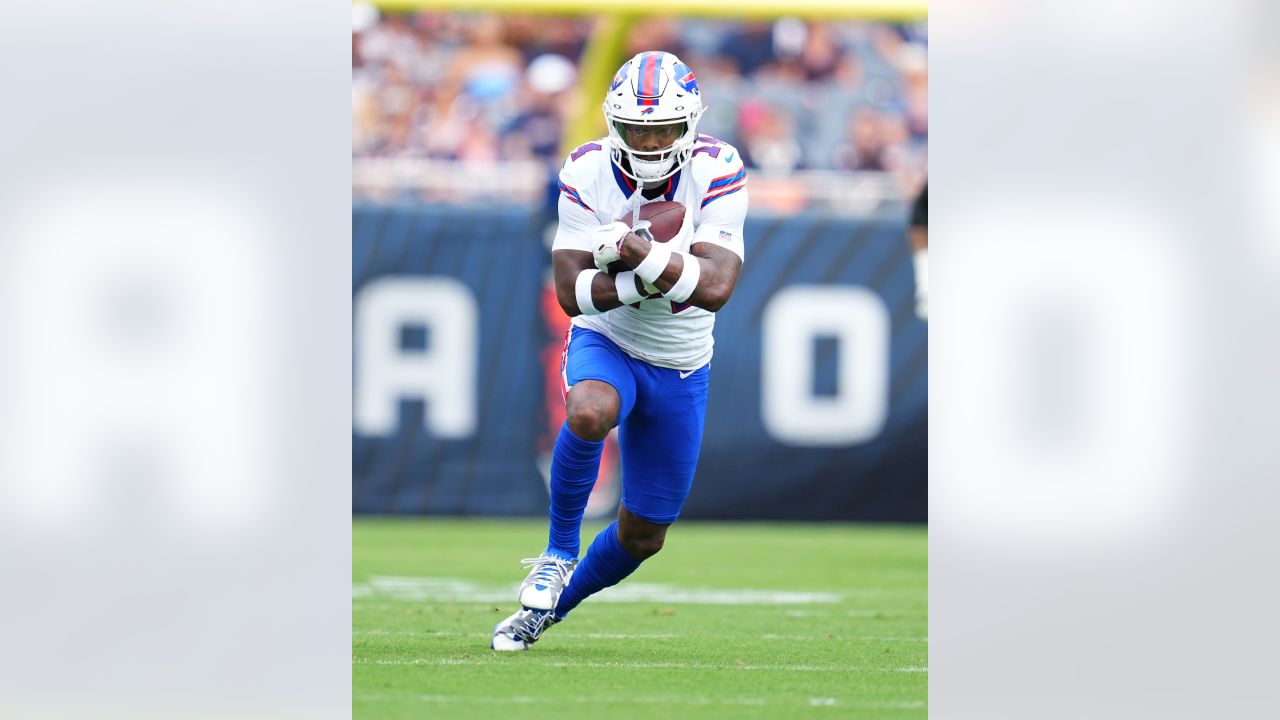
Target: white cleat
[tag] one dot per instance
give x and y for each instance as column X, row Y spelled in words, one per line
column 548, row 575
column 521, row 630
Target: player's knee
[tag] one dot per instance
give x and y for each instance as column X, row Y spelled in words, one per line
column 589, row 423
column 641, row 547
column 590, row 417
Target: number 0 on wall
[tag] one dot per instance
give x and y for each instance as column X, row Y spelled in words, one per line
column 859, row 322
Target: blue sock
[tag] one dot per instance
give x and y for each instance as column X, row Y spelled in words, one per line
column 606, row 564
column 574, row 467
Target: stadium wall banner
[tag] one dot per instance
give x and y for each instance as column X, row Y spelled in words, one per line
column 818, row 403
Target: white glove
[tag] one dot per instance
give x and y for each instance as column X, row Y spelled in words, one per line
column 606, row 241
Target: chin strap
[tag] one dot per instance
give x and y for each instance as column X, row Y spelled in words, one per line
column 637, row 199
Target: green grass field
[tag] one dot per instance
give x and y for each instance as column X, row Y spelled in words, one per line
column 729, row 620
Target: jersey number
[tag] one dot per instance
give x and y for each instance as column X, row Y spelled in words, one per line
column 583, row 150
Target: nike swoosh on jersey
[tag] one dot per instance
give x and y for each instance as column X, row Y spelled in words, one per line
column 729, row 157
column 684, row 375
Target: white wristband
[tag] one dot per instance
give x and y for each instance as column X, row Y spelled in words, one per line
column 583, row 290
column 627, row 292
column 654, row 263
column 688, row 281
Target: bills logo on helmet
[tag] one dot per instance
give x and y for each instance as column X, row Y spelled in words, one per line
column 685, row 78
column 620, row 77
column 646, row 111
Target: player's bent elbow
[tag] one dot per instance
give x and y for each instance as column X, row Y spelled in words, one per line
column 715, row 295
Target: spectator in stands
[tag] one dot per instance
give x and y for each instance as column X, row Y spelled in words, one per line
column 749, row 47
column 914, row 65
column 536, row 132
column 388, row 42
column 768, row 141
column 394, row 107
column 791, row 94
column 864, row 145
column 821, row 55
column 718, row 77
column 486, row 72
column 848, row 74
column 786, row 72
column 905, row 161
column 535, row 36
column 479, row 143
column 656, row 32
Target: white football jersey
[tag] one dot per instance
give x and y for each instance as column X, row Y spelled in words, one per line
column 712, row 187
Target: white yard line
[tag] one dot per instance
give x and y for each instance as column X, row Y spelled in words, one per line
column 524, row 699
column 667, row 700
column 639, row 665
column 635, row 636
column 880, row 614
column 878, row 638
column 423, row 589
column 487, row 634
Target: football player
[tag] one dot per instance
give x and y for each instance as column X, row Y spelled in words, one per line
column 638, row 352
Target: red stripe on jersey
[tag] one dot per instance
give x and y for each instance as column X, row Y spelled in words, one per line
column 724, row 177
column 731, row 189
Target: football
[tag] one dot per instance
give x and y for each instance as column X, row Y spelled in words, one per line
column 665, row 219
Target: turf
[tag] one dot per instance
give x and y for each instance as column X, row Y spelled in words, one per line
column 850, row 640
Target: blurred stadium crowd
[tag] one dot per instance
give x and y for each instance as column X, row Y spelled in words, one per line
column 797, row 97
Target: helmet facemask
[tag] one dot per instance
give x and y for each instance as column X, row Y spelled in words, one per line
column 654, row 151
